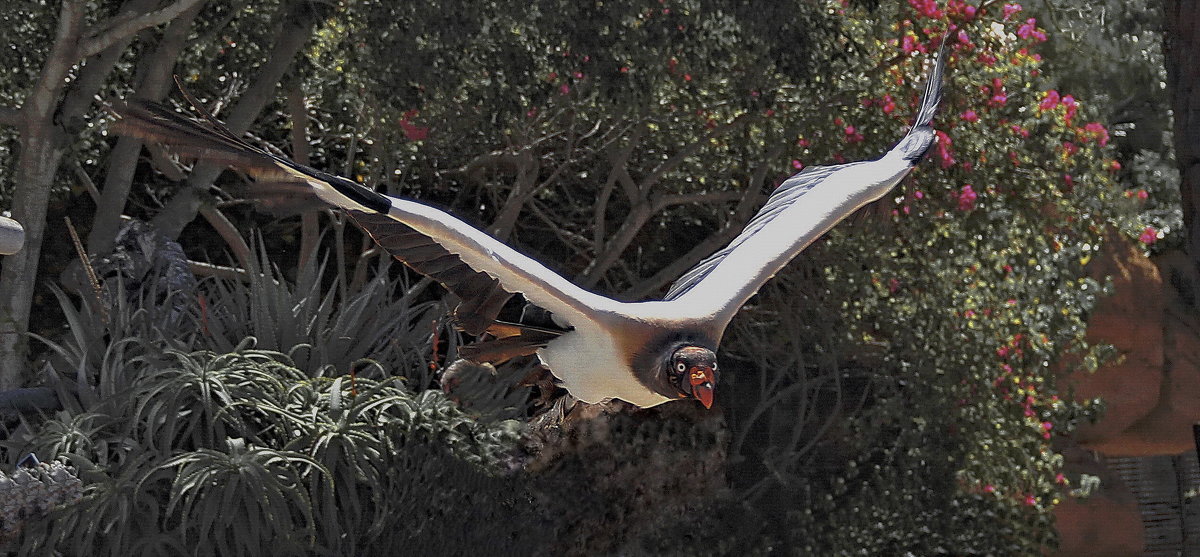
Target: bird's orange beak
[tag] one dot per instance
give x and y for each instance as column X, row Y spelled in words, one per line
column 701, row 378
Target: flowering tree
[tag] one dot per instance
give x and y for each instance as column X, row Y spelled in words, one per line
column 972, row 279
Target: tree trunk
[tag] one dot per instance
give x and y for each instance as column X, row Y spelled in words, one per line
column 45, row 121
column 153, row 83
column 1181, row 39
column 294, row 32
column 41, row 149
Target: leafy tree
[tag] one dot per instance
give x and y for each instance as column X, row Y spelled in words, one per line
column 892, row 391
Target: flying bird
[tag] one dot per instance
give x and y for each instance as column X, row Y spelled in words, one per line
column 645, row 353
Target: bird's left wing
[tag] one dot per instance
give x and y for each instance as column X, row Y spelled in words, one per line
column 480, row 270
column 802, row 209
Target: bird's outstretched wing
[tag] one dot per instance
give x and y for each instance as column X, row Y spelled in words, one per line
column 802, row 209
column 480, row 270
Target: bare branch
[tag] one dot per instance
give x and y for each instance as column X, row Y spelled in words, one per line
column 750, row 198
column 86, row 180
column 43, row 99
column 661, row 202
column 121, row 28
column 678, row 158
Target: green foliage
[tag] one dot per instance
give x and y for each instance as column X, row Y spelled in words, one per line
column 325, row 328
column 894, row 391
column 936, row 333
column 186, row 450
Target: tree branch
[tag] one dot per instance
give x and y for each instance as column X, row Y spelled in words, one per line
column 121, row 28
column 678, row 158
column 750, row 198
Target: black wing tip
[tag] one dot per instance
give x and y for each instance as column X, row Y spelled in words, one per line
column 932, row 96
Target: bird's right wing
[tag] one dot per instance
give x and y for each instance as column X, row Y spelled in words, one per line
column 480, row 270
column 802, row 209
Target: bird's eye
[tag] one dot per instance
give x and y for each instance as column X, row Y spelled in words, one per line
column 680, row 367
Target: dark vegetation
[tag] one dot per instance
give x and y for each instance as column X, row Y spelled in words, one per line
column 269, row 384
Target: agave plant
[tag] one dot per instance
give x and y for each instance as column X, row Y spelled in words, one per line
column 245, row 500
column 325, row 330
column 190, row 440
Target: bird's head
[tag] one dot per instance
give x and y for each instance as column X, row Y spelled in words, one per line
column 693, row 370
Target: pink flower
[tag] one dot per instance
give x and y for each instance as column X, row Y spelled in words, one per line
column 943, row 148
column 1149, row 236
column 927, row 8
column 1069, row 102
column 1141, row 194
column 989, row 488
column 966, row 198
column 564, row 89
column 1069, row 148
column 797, row 164
column 1050, row 99
column 1097, row 131
column 1029, row 30
column 909, row 44
column 919, row 194
column 1059, row 478
column 986, row 59
column 852, row 135
column 1010, row 9
column 999, row 97
column 889, row 104
column 1031, row 500
column 412, row 131
column 1114, row 166
column 970, row 116
column 1020, row 131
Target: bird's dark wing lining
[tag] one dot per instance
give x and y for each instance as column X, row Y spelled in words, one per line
column 477, row 268
column 480, row 296
column 786, row 194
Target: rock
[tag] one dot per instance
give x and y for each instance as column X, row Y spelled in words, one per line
column 1167, row 428
column 1130, row 320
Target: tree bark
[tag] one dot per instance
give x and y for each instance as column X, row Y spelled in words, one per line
column 153, row 83
column 54, row 106
column 1181, row 38
column 293, row 34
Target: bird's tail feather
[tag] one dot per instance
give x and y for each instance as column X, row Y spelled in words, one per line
column 209, row 140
